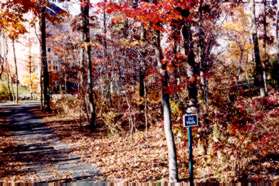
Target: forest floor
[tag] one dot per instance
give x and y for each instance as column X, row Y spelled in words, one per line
column 245, row 153
column 141, row 156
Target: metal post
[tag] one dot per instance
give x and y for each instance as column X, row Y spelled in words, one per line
column 190, row 140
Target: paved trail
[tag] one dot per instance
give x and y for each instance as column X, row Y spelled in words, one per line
column 40, row 150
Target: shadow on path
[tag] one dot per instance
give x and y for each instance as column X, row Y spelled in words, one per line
column 36, row 149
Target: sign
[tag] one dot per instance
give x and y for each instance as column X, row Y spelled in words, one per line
column 190, row 120
column 53, row 9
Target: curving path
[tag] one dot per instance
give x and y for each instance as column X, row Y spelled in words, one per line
column 39, row 150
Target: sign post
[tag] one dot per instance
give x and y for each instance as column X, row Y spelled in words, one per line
column 189, row 121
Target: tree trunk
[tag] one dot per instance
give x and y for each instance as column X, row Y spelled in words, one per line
column 45, row 74
column 1, row 55
column 16, row 70
column 10, row 87
column 5, row 58
column 259, row 71
column 30, row 70
column 86, row 40
column 192, row 74
column 266, row 58
column 203, row 60
column 277, row 37
column 173, row 171
column 42, row 89
column 192, row 69
column 204, row 50
column 65, row 82
column 30, row 66
column 239, row 66
column 109, row 92
column 142, row 87
column 141, row 81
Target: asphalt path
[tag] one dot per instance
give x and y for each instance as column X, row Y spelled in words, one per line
column 39, row 150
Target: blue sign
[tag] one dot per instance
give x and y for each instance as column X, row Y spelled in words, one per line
column 53, row 9
column 190, row 120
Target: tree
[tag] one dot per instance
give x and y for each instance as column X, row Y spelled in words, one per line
column 45, row 74
column 157, row 16
column 12, row 25
column 16, row 70
column 237, row 31
column 277, row 38
column 5, row 67
column 38, row 8
column 202, row 45
column 30, row 78
column 85, row 6
column 30, row 69
column 173, row 171
column 192, row 74
column 260, row 80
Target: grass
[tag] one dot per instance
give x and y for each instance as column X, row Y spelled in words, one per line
column 22, row 90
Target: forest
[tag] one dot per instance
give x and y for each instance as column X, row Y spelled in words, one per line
column 130, row 91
